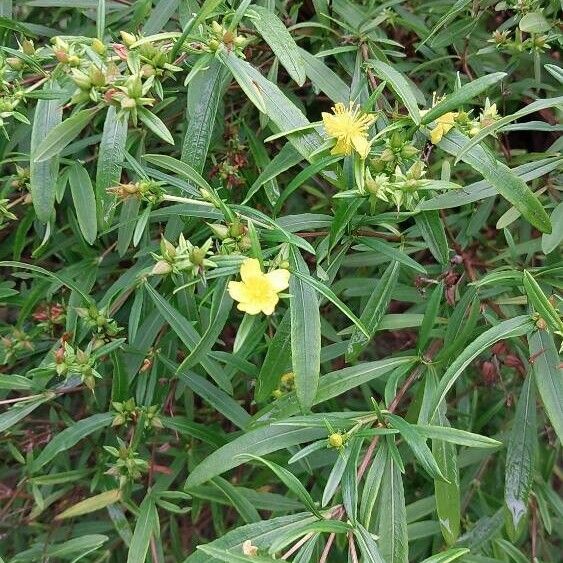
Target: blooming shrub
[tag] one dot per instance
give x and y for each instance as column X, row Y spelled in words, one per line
column 280, row 281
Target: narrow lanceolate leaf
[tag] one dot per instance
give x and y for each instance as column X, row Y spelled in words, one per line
column 433, row 233
column 400, row 86
column 110, row 162
column 417, row 443
column 291, row 482
column 242, row 505
column 448, row 501
column 467, row 92
column 20, row 410
column 506, row 329
column 259, row 442
column 374, row 310
column 305, row 334
column 448, row 556
column 553, row 240
column 155, row 124
column 277, row 360
column 548, row 376
column 392, row 529
column 84, row 201
column 520, row 461
column 282, row 44
column 367, row 545
column 541, row 303
column 268, row 98
column 147, row 525
column 97, row 502
column 68, row 438
column 325, row 79
column 43, row 175
column 209, row 87
column 505, row 182
column 61, row 135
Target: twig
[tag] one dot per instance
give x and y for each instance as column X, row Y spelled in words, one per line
column 326, row 550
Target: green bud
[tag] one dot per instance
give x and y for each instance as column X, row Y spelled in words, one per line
column 98, row 47
column 127, row 38
column 28, row 47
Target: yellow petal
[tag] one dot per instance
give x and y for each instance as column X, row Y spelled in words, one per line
column 362, row 145
column 238, row 291
column 269, row 304
column 436, row 134
column 342, row 147
column 250, row 269
column 279, row 279
column 250, row 308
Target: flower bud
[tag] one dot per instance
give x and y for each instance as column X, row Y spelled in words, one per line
column 28, row 47
column 98, row 47
column 220, row 231
column 14, row 63
column 217, row 28
column 127, row 38
column 161, row 268
column 73, row 60
column 336, row 440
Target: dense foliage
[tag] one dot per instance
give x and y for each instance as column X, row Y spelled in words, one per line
column 280, row 280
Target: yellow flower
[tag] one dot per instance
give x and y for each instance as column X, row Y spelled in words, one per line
column 349, row 126
column 443, row 124
column 258, row 292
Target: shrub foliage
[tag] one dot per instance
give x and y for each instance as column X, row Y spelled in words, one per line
column 280, row 281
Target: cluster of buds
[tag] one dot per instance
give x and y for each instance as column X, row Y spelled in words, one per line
column 91, row 83
column 336, row 440
column 99, row 321
column 223, row 37
column 287, row 384
column 155, row 60
column 128, row 412
column 128, row 466
column 183, row 258
column 397, row 151
column 132, row 94
column 503, row 41
column 10, row 346
column 234, row 237
column 145, row 190
column 488, row 115
column 20, row 180
column 69, row 361
column 69, row 54
column 49, row 316
column 400, row 189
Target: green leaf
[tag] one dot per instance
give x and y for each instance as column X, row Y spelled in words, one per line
column 434, row 235
column 146, row 527
column 230, row 556
column 86, row 506
column 242, row 505
column 269, row 99
column 62, row 134
column 457, row 436
column 110, row 161
column 447, row 556
column 258, row 442
column 21, row 410
column 276, row 361
column 42, row 175
column 208, row 84
column 520, row 461
column 534, row 22
column 553, row 240
column 430, row 315
column 372, row 485
column 417, row 443
column 326, row 526
column 367, row 545
column 548, row 376
column 400, row 86
column 541, row 303
column 324, row 79
column 69, row 437
column 155, row 124
column 305, row 334
column 392, row 527
column 506, row 183
column 81, row 546
column 374, row 310
column 453, row 101
column 290, row 481
column 392, row 253
column 282, row 44
column 84, row 201
column 505, row 329
column 188, row 335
